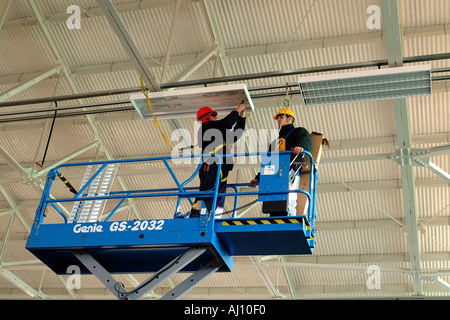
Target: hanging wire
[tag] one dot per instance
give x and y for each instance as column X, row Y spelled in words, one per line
column 359, row 194
column 49, row 136
column 287, row 99
column 291, row 38
column 286, row 103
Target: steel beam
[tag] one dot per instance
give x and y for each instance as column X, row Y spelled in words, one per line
column 395, row 59
column 439, row 281
column 434, row 168
column 170, row 41
column 128, row 44
column 262, row 273
column 22, row 285
column 422, row 157
column 25, row 287
column 6, row 239
column 431, row 152
column 214, row 27
column 27, row 177
column 392, row 32
column 14, row 208
column 4, row 12
column 71, row 292
column 442, row 283
column 12, row 162
column 11, row 92
column 229, row 78
column 67, row 158
column 192, row 67
column 330, row 266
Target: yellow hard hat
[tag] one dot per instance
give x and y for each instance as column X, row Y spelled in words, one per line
column 283, row 111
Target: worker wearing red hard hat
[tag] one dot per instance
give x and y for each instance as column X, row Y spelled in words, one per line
column 217, row 136
column 204, row 114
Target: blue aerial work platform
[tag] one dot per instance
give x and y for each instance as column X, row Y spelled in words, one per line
column 163, row 247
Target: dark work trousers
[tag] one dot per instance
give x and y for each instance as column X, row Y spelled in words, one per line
column 208, row 175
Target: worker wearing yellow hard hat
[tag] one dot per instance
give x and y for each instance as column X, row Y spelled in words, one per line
column 286, row 112
column 290, row 137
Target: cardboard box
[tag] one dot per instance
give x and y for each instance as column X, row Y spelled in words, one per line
column 317, row 146
column 302, row 200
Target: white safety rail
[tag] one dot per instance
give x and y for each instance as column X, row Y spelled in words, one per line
column 91, row 210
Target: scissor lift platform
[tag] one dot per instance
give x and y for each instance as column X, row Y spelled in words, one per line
column 163, row 247
column 143, row 246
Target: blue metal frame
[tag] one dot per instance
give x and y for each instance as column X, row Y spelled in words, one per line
column 182, row 191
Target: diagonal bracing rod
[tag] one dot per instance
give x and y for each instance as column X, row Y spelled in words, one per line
column 128, row 44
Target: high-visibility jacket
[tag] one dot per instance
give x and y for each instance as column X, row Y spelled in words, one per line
column 290, row 137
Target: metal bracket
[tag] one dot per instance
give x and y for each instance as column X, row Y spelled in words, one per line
column 404, row 156
column 421, row 157
column 438, row 280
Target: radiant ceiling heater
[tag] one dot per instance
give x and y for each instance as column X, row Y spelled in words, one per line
column 185, row 102
column 380, row 84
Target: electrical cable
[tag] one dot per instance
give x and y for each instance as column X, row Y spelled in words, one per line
column 82, row 106
column 241, row 207
column 49, row 136
column 68, row 114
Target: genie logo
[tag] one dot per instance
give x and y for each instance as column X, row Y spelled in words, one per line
column 82, row 228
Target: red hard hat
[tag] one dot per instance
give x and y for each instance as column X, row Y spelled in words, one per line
column 204, row 113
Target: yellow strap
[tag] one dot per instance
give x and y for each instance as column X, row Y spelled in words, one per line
column 154, row 117
column 218, row 148
column 215, row 150
column 282, row 144
column 221, row 175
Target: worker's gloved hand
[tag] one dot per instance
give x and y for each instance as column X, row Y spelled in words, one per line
column 253, row 183
column 241, row 109
column 297, row 150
